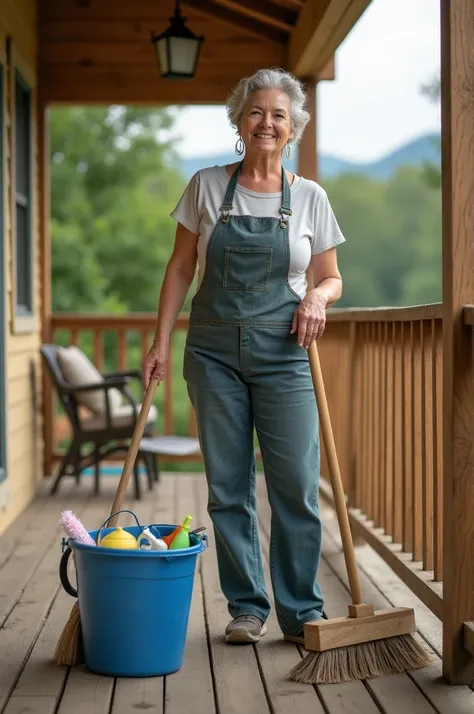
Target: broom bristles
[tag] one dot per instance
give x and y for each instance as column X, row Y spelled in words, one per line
column 402, row 653
column 69, row 648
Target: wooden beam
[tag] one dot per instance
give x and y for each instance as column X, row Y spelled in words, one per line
column 457, row 142
column 207, row 7
column 321, row 27
column 307, row 150
column 264, row 11
column 78, row 85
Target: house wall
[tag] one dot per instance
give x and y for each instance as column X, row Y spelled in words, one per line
column 18, row 46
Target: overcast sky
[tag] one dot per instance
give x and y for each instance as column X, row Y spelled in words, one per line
column 374, row 105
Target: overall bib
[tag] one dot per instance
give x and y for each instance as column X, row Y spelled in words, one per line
column 243, row 370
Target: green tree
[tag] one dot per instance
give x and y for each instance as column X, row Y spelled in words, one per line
column 113, row 184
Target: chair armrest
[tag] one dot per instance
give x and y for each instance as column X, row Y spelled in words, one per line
column 118, row 382
column 136, row 373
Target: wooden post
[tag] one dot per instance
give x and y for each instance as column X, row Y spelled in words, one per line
column 308, row 146
column 457, row 103
column 45, row 275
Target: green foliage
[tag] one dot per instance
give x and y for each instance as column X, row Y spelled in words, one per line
column 113, row 186
column 392, row 255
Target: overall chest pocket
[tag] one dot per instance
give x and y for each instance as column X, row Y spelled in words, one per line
column 247, row 268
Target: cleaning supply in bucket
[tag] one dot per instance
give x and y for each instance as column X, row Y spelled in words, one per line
column 119, row 538
column 74, row 528
column 179, row 538
column 148, row 540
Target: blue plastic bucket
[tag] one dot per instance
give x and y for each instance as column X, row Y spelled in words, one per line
column 134, row 604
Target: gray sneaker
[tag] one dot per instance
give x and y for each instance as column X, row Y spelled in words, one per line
column 245, row 628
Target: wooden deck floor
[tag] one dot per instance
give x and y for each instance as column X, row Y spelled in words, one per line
column 215, row 677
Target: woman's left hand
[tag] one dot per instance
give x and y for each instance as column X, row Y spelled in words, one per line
column 309, row 319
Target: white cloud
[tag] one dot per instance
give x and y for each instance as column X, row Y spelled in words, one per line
column 374, row 105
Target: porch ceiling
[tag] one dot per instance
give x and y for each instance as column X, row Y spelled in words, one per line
column 99, row 51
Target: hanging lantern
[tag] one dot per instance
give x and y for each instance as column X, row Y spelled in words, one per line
column 177, row 48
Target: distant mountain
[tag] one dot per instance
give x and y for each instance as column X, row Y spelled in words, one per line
column 414, row 153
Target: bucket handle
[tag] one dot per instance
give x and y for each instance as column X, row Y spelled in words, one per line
column 63, row 573
column 123, row 510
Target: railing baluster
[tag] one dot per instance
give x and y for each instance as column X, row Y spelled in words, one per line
column 383, row 471
column 369, row 433
column 407, row 441
column 98, row 349
column 417, row 446
column 376, row 421
column 122, row 349
column 437, row 377
column 389, row 433
column 397, row 435
column 428, row 449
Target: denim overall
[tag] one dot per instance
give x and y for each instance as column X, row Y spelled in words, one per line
column 243, row 370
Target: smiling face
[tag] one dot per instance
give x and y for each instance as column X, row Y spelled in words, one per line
column 265, row 125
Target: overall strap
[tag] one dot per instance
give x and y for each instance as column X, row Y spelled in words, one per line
column 229, row 194
column 285, row 209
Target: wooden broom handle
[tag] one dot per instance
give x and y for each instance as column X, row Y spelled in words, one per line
column 132, row 451
column 336, row 481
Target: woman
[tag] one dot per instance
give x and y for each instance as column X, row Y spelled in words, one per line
column 254, row 228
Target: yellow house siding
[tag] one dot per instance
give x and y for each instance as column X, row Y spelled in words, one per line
column 18, row 20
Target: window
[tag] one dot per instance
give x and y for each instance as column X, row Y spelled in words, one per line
column 23, row 202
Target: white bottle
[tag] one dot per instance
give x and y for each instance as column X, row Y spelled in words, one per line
column 153, row 542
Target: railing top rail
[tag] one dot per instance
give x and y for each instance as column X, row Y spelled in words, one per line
column 135, row 320
column 433, row 311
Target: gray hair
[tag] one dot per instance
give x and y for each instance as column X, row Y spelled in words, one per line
column 271, row 79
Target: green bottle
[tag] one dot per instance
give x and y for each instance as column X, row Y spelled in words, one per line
column 181, row 539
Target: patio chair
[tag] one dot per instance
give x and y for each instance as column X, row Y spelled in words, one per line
column 111, row 413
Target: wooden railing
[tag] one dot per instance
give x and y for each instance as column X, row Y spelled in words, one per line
column 383, row 376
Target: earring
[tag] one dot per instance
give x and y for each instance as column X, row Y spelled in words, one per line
column 287, row 151
column 239, row 146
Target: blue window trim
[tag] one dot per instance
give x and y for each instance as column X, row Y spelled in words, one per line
column 3, row 322
column 25, row 310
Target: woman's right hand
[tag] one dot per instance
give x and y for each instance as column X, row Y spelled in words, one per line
column 154, row 364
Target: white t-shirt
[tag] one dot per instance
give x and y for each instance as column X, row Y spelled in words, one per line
column 313, row 228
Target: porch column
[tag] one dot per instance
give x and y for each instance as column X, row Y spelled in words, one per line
column 457, row 103
column 307, row 150
column 45, row 271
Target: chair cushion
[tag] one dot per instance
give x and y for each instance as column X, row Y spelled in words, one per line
column 77, row 369
column 122, row 417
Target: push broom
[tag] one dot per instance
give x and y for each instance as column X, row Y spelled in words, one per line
column 69, row 647
column 367, row 643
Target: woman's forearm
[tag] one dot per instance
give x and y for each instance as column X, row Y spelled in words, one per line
column 172, row 296
column 330, row 290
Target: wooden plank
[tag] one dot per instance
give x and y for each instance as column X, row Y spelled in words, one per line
column 232, row 666
column 193, row 683
column 64, row 85
column 265, row 12
column 41, row 679
column 39, row 535
column 457, row 148
column 141, row 693
column 346, row 698
column 26, row 618
column 445, row 699
column 255, row 27
column 275, row 656
column 320, row 29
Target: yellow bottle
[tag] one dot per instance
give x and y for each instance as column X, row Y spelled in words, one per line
column 119, row 539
